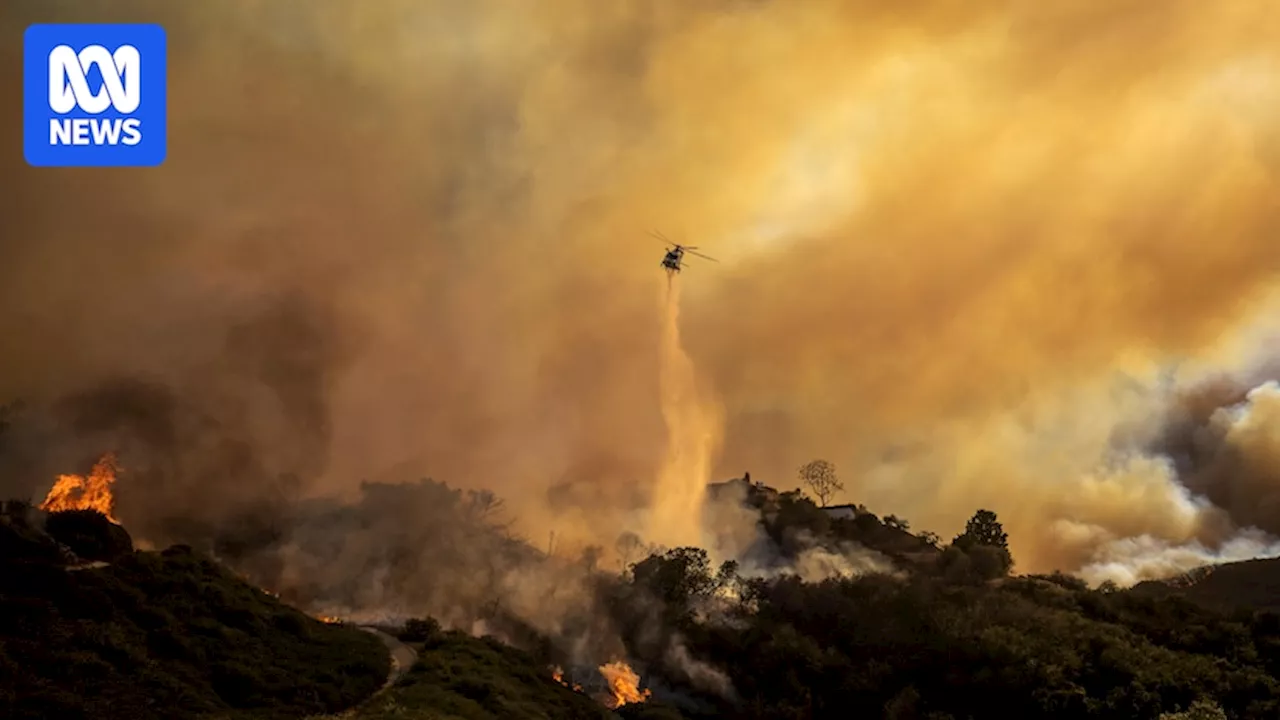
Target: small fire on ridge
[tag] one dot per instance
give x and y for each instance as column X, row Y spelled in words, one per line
column 78, row 492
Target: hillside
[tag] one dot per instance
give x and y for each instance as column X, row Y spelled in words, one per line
column 955, row 636
column 459, row 677
column 158, row 635
column 1249, row 584
column 951, row 634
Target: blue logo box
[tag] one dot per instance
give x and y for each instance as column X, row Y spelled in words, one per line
column 94, row 95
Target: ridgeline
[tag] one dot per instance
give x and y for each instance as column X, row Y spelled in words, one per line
column 92, row 629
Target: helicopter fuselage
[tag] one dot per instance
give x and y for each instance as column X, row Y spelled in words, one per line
column 672, row 260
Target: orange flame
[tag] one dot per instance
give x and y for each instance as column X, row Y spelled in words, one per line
column 624, row 683
column 329, row 619
column 558, row 675
column 76, row 492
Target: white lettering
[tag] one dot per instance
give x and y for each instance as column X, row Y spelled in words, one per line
column 95, row 131
column 132, row 131
column 105, row 131
column 80, row 126
column 59, row 132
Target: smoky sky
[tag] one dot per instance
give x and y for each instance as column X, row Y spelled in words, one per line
column 929, row 218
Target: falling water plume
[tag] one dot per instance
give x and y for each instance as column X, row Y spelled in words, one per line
column 693, row 432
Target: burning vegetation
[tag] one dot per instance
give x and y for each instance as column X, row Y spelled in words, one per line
column 92, row 492
column 621, row 685
column 557, row 674
column 624, row 685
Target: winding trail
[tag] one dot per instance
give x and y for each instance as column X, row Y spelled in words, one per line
column 402, row 657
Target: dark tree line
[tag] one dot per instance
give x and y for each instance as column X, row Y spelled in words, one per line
column 946, row 641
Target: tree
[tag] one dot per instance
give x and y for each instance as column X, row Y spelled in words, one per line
column 983, row 528
column 820, row 476
column 628, row 546
column 591, row 558
column 1199, row 710
column 894, row 521
column 680, row 579
column 985, row 537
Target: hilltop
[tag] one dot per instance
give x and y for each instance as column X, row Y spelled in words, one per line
column 1248, row 585
column 91, row 628
column 949, row 633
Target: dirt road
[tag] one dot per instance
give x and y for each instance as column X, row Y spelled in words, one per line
column 402, row 656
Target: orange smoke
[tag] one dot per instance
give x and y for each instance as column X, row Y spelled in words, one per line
column 624, row 684
column 76, row 492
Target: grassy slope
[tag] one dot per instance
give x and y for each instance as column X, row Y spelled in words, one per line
column 173, row 634
column 459, row 677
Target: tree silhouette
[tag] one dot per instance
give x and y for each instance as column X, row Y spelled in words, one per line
column 983, row 528
column 628, row 546
column 894, row 521
column 820, row 476
column 985, row 540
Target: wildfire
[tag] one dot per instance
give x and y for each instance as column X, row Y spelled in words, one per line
column 331, row 620
column 76, row 492
column 558, row 675
column 624, row 683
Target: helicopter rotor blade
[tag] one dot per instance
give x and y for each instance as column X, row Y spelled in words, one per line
column 661, row 237
column 708, row 257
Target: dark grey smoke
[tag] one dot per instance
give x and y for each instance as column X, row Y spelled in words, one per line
column 1241, row 480
column 206, row 446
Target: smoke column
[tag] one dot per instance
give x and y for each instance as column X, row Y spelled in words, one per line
column 693, row 433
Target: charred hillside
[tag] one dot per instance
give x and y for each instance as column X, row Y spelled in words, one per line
column 89, row 628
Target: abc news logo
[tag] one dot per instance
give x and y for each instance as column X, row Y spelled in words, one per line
column 69, row 89
column 95, row 95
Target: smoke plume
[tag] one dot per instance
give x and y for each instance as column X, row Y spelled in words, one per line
column 406, row 239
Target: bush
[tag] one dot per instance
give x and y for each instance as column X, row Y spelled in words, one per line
column 419, row 630
column 90, row 535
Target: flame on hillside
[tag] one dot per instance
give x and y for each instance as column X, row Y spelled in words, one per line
column 557, row 674
column 78, row 492
column 624, row 684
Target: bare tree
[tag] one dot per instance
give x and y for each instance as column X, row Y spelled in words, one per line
column 820, row 476
column 591, row 558
column 628, row 546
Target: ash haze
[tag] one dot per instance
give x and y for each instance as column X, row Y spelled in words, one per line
column 405, row 239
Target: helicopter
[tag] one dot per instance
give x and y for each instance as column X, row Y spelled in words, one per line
column 676, row 253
